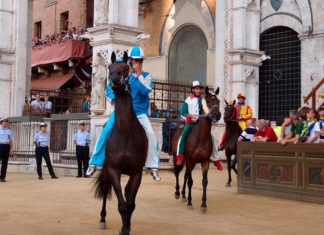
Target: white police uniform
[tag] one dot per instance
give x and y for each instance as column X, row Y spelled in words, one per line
column 41, row 140
column 82, row 141
column 5, row 138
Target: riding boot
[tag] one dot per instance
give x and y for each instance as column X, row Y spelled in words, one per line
column 218, row 165
column 222, row 144
column 180, row 159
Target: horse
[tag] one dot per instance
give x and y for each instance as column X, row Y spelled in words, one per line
column 233, row 131
column 126, row 150
column 198, row 149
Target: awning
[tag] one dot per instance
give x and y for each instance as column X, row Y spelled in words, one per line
column 58, row 52
column 52, row 82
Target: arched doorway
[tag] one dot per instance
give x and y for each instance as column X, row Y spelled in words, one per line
column 188, row 56
column 280, row 77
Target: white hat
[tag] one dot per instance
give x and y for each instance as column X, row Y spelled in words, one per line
column 4, row 119
column 43, row 124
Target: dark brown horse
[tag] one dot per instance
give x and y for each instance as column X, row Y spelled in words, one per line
column 233, row 131
column 197, row 150
column 126, row 150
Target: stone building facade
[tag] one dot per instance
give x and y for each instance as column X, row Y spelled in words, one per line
column 49, row 16
column 15, row 55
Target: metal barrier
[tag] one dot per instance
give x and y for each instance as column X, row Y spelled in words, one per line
column 23, row 131
column 62, row 130
column 292, row 171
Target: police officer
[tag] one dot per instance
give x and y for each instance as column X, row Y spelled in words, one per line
column 5, row 147
column 82, row 141
column 41, row 140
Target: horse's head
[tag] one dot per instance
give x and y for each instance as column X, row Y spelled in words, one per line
column 118, row 72
column 213, row 104
column 230, row 112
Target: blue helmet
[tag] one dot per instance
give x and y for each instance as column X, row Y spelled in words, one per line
column 136, row 53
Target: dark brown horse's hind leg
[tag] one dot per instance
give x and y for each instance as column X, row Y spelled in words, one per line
column 229, row 168
column 103, row 213
column 205, row 168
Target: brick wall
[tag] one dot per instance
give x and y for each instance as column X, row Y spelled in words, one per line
column 49, row 13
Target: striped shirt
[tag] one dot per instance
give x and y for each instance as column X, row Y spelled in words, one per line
column 248, row 133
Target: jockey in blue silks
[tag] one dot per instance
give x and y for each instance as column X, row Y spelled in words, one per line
column 140, row 86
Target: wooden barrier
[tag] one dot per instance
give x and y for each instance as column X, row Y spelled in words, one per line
column 292, row 171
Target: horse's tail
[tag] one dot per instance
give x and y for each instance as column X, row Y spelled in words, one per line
column 102, row 187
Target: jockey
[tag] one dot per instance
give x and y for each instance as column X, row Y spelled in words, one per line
column 191, row 109
column 140, row 87
column 243, row 113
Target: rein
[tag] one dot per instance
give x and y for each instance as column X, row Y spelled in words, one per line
column 209, row 114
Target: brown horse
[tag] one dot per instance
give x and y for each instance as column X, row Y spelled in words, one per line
column 126, row 149
column 197, row 150
column 233, row 131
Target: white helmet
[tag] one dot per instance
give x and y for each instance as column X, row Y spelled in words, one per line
column 136, row 53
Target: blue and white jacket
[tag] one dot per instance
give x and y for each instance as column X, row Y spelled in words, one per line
column 140, row 87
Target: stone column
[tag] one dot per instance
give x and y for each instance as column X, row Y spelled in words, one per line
column 100, row 12
column 243, row 55
column 15, row 54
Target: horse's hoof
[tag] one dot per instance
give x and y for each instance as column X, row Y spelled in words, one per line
column 123, row 233
column 190, row 207
column 176, row 196
column 183, row 199
column 102, row 226
column 228, row 185
column 203, row 209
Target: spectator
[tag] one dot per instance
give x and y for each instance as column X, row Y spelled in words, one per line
column 318, row 132
column 295, row 130
column 265, row 133
column 36, row 105
column 283, row 128
column 249, row 132
column 155, row 113
column 309, row 131
column 47, row 105
column 86, row 104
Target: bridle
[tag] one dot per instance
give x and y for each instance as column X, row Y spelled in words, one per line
column 209, row 114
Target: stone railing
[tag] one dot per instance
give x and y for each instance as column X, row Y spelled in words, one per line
column 292, row 171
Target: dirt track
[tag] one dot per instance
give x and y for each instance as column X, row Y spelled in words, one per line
column 65, row 206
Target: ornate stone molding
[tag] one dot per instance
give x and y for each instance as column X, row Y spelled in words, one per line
column 245, row 56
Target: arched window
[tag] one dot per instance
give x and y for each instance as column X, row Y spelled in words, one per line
column 188, row 56
column 280, row 77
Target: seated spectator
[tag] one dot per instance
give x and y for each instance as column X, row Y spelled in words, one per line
column 36, row 105
column 283, row 128
column 155, row 113
column 249, row 132
column 296, row 129
column 318, row 131
column 308, row 130
column 86, row 104
column 265, row 133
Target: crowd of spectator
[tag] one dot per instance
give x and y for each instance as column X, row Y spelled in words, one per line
column 75, row 34
column 305, row 125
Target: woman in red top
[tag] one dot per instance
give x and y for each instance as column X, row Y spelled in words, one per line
column 265, row 133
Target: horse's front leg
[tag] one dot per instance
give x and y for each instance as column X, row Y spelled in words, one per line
column 183, row 192
column 115, row 181
column 233, row 166
column 229, row 167
column 177, row 187
column 132, row 187
column 190, row 183
column 205, row 168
